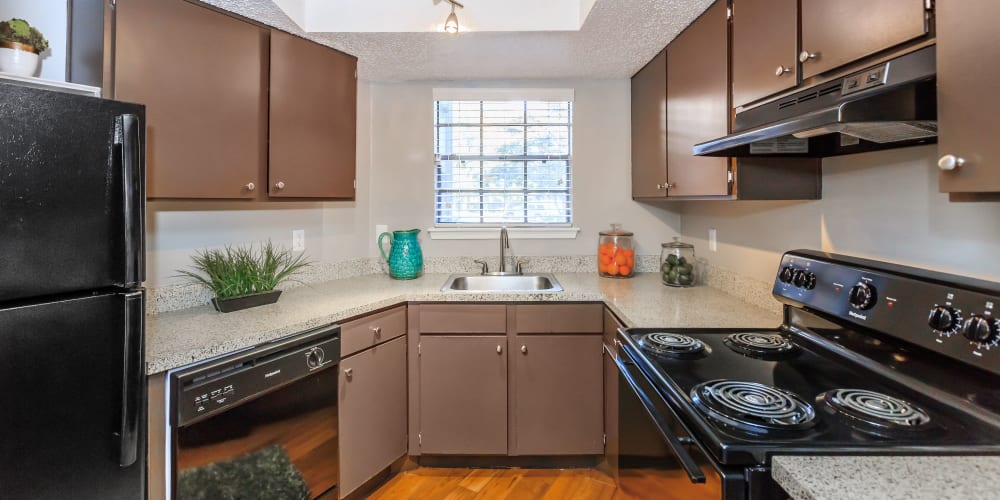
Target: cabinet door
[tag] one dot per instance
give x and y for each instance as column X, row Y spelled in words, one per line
column 966, row 109
column 842, row 31
column 558, row 400
column 698, row 104
column 611, row 432
column 765, row 48
column 313, row 120
column 463, row 395
column 202, row 76
column 372, row 412
column 649, row 129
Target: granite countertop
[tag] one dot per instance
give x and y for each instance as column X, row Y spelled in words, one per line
column 183, row 337
column 883, row 477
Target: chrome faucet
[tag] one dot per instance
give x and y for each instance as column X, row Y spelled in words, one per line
column 504, row 246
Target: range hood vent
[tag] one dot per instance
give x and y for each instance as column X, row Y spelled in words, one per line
column 887, row 106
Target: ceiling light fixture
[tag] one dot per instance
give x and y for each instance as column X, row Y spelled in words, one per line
column 451, row 24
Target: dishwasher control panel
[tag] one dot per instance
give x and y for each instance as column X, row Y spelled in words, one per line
column 213, row 386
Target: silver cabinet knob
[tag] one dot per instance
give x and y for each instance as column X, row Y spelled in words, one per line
column 377, row 330
column 950, row 162
column 805, row 55
column 669, row 185
column 349, row 372
column 250, row 186
column 524, row 349
column 279, row 185
column 499, row 349
column 781, row 71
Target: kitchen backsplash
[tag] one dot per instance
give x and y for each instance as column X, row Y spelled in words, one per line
column 182, row 296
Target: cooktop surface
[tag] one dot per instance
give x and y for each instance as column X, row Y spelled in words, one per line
column 748, row 394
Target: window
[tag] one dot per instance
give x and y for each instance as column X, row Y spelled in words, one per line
column 503, row 162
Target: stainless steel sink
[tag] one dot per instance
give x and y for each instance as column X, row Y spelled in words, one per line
column 535, row 282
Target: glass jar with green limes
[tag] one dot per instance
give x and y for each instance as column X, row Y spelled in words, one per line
column 677, row 264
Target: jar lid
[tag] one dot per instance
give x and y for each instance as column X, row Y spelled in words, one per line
column 616, row 230
column 677, row 243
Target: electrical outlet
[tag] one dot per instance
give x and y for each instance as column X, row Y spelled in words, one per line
column 713, row 240
column 298, row 240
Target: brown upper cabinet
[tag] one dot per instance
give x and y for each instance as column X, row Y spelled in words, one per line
column 649, row 129
column 698, row 104
column 835, row 33
column 966, row 88
column 218, row 90
column 313, row 120
column 203, row 78
column 765, row 48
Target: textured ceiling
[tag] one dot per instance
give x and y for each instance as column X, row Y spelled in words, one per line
column 618, row 38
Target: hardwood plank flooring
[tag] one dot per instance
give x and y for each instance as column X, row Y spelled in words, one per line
column 545, row 484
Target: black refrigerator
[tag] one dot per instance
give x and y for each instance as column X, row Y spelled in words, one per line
column 72, row 367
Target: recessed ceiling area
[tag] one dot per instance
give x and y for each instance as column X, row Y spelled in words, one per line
column 414, row 16
column 617, row 38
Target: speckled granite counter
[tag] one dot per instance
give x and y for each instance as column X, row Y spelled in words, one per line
column 884, row 478
column 182, row 337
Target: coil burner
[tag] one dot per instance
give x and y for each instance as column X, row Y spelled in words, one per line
column 874, row 413
column 753, row 407
column 766, row 346
column 673, row 345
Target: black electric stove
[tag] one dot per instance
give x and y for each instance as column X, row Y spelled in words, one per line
column 872, row 358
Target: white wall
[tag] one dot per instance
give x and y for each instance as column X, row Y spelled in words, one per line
column 334, row 230
column 49, row 16
column 403, row 168
column 882, row 205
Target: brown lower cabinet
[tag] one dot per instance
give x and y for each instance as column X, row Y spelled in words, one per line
column 463, row 395
column 372, row 399
column 558, row 405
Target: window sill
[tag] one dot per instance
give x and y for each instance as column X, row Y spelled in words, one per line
column 492, row 233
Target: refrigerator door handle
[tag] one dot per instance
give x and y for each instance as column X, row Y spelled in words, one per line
column 133, row 196
column 133, row 371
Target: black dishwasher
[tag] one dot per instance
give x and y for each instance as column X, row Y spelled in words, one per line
column 260, row 423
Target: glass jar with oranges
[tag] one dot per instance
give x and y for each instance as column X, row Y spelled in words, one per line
column 615, row 253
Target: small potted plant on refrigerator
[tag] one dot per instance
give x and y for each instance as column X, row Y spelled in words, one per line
column 20, row 46
column 244, row 276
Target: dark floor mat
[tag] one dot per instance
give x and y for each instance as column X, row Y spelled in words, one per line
column 266, row 474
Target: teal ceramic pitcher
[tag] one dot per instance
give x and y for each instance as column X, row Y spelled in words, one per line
column 406, row 261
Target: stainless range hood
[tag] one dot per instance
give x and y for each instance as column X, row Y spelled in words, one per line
column 887, row 106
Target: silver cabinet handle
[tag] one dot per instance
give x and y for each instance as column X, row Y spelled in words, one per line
column 950, row 162
column 805, row 56
column 669, row 186
column 377, row 330
column 349, row 372
column 250, row 186
column 279, row 185
column 524, row 349
column 499, row 349
column 782, row 70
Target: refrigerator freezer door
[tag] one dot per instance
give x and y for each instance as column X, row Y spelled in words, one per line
column 73, row 399
column 72, row 193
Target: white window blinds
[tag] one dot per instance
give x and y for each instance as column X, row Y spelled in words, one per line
column 503, row 162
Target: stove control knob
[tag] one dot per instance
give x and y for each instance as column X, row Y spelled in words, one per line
column 862, row 296
column 980, row 329
column 787, row 274
column 810, row 281
column 944, row 319
column 801, row 278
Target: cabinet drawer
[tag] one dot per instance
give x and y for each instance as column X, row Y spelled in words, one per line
column 370, row 330
column 559, row 318
column 463, row 318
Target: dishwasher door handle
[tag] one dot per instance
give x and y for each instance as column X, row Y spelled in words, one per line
column 675, row 443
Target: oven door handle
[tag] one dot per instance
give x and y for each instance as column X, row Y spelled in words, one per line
column 676, row 445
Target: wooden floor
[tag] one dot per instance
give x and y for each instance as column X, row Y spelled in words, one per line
column 547, row 484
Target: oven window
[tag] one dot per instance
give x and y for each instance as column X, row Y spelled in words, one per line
column 281, row 445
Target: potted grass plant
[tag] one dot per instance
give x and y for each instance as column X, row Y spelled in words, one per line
column 20, row 46
column 244, row 276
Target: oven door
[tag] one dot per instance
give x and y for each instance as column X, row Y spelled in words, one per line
column 283, row 444
column 656, row 451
